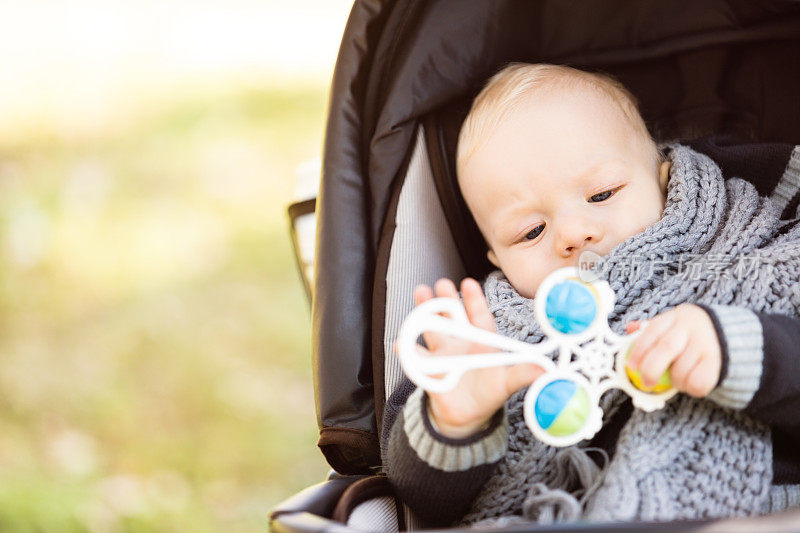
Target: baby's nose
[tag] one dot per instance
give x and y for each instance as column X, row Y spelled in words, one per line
column 587, row 239
column 569, row 249
column 575, row 238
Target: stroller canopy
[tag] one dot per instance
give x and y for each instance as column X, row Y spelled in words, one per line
column 696, row 66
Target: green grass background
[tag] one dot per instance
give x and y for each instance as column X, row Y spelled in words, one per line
column 155, row 337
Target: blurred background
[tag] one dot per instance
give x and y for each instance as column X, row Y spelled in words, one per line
column 154, row 333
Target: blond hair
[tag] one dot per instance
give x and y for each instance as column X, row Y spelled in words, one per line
column 506, row 89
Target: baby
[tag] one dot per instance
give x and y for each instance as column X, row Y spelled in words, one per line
column 554, row 162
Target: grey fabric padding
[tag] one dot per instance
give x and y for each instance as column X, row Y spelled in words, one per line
column 422, row 251
column 790, row 181
column 377, row 514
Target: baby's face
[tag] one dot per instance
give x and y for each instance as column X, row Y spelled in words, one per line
column 564, row 173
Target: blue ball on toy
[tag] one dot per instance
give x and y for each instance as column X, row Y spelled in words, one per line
column 571, row 306
column 562, row 408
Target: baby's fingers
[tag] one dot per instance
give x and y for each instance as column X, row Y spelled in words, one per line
column 422, row 351
column 703, row 377
column 422, row 293
column 679, row 372
column 446, row 289
column 656, row 327
column 476, row 306
column 633, row 326
column 521, row 375
column 658, row 358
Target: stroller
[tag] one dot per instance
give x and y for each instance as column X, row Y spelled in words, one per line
column 390, row 215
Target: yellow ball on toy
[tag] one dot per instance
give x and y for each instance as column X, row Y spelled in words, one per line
column 664, row 382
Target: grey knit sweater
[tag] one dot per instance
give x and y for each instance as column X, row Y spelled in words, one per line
column 695, row 458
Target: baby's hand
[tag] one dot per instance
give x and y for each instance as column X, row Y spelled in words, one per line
column 683, row 337
column 462, row 411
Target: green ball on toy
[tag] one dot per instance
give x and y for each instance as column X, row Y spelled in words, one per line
column 562, row 408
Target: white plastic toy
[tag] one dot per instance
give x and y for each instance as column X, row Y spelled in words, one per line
column 562, row 406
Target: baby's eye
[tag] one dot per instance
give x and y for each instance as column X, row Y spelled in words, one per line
column 603, row 196
column 535, row 232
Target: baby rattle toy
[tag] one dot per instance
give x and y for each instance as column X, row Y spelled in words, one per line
column 562, row 407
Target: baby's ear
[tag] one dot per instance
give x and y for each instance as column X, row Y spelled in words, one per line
column 663, row 176
column 492, row 258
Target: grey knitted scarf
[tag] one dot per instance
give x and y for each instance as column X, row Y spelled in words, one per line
column 717, row 242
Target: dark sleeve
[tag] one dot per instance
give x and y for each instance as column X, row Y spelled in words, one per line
column 761, row 365
column 437, row 477
column 777, row 400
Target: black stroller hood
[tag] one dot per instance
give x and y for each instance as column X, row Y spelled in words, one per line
column 696, row 67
